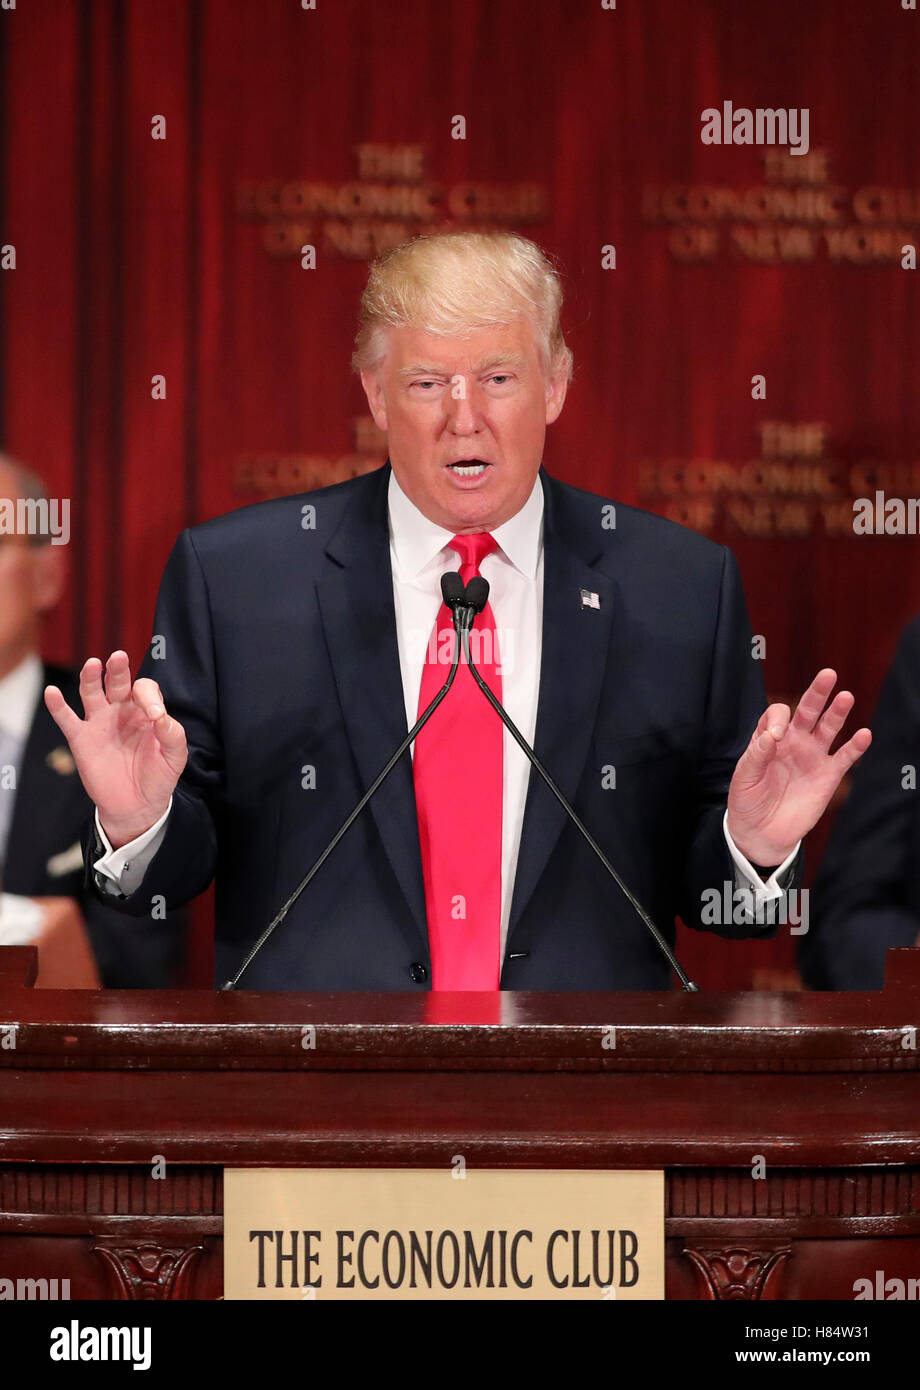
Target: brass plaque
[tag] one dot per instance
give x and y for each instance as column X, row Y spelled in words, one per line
column 443, row 1233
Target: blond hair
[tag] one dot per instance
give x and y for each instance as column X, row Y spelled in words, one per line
column 448, row 283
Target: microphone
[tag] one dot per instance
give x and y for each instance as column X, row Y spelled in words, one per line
column 477, row 595
column 453, row 593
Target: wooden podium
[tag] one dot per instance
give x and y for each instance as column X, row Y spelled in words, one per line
column 820, row 1093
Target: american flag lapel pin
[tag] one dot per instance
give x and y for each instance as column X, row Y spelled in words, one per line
column 589, row 599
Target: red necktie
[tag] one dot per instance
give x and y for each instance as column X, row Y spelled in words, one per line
column 457, row 769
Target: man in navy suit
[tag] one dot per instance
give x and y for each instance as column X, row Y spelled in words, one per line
column 290, row 656
column 43, row 805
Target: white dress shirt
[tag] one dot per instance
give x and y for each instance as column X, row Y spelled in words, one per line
column 20, row 692
column 420, row 554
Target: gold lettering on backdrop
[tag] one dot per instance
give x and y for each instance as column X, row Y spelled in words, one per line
column 278, row 474
column 390, row 200
column 796, row 215
column 793, row 490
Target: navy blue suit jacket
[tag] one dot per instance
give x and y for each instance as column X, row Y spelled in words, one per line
column 867, row 893
column 279, row 657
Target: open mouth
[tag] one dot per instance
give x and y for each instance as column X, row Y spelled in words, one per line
column 469, row 468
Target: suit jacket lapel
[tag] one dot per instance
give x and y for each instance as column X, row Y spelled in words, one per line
column 576, row 640
column 356, row 603
column 359, row 620
column 44, row 796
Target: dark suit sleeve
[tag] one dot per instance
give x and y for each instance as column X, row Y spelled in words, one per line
column 735, row 701
column 867, row 894
column 181, row 659
column 135, row 954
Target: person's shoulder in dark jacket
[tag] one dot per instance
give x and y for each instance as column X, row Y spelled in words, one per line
column 867, row 894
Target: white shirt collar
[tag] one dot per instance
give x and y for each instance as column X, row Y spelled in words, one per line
column 20, row 692
column 417, row 540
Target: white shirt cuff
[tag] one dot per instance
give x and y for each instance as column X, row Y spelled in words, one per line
column 124, row 868
column 746, row 876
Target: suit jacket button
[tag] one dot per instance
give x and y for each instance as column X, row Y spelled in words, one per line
column 418, row 973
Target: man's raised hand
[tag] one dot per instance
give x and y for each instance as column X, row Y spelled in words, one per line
column 786, row 777
column 129, row 752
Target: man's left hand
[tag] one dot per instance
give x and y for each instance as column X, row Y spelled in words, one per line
column 787, row 775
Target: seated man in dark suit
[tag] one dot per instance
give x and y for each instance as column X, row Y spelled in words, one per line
column 44, row 808
column 867, row 893
column 298, row 639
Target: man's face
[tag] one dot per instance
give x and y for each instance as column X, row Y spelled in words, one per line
column 30, row 583
column 465, row 419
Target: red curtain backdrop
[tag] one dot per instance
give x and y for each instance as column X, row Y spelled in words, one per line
column 180, row 258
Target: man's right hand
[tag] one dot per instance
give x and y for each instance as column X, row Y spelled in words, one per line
column 129, row 752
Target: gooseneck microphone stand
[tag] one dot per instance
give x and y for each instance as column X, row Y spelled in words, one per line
column 477, row 594
column 452, row 591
